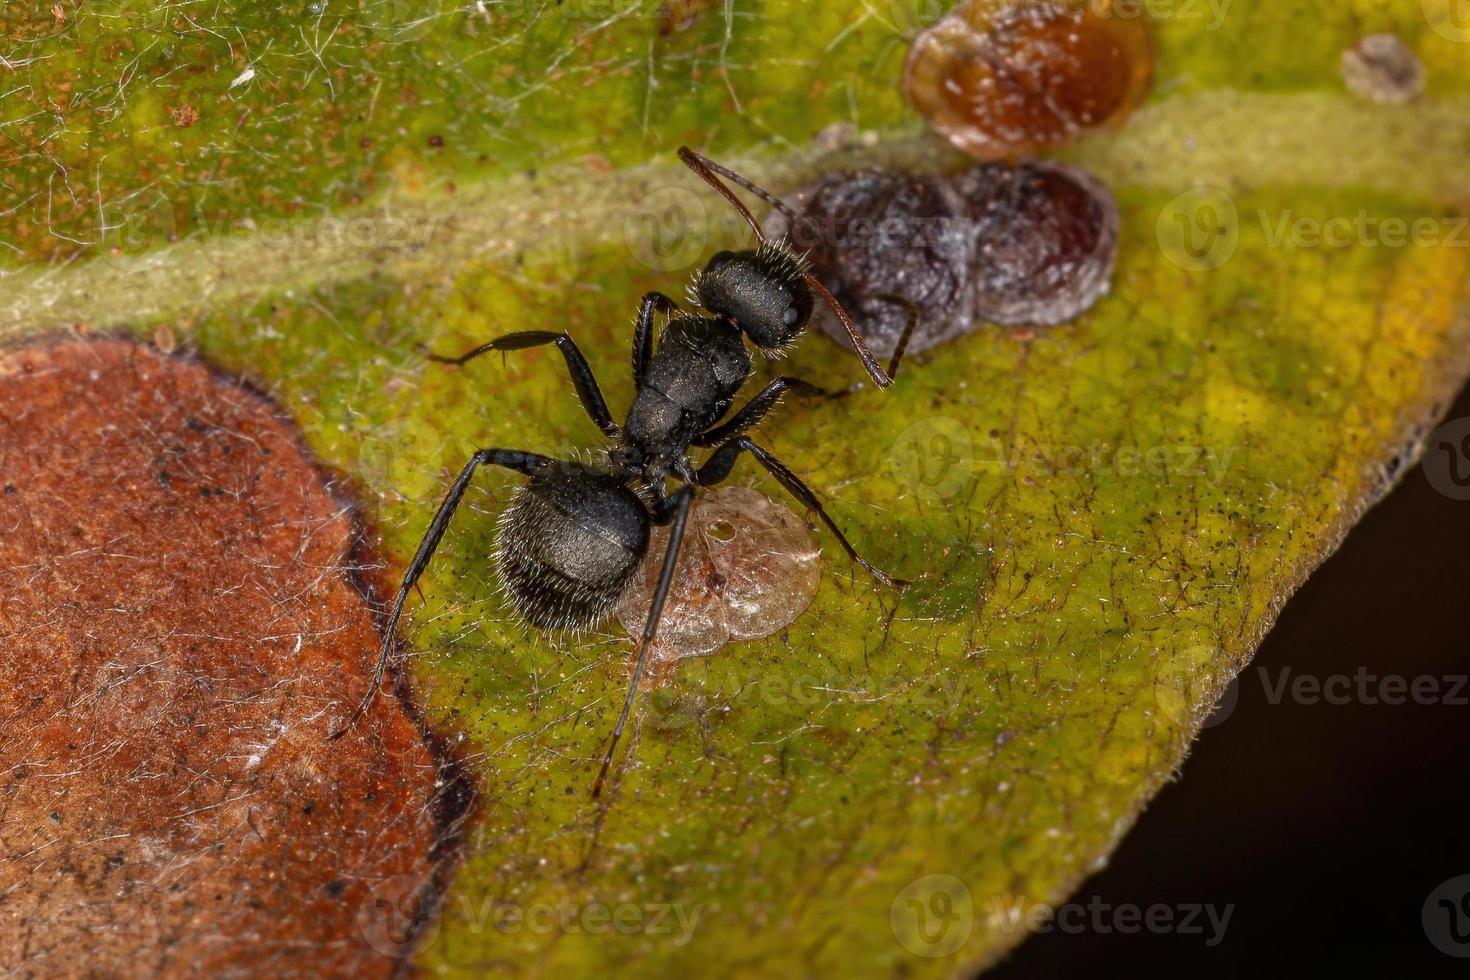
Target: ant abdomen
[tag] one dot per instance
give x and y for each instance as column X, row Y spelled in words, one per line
column 569, row 544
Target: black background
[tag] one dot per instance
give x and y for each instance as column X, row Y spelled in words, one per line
column 1327, row 826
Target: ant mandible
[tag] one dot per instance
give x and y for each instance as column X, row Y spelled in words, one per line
column 575, row 534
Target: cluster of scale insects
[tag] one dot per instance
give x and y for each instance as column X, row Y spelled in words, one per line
column 575, row 534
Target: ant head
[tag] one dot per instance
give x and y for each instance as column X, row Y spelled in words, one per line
column 763, row 292
column 767, row 292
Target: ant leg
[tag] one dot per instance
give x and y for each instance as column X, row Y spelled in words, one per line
column 756, row 409
column 527, row 463
column 583, row 379
column 673, row 511
column 643, row 332
column 908, row 329
column 718, row 467
column 903, row 339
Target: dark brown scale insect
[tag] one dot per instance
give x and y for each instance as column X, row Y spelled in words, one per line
column 575, row 534
column 1047, row 241
column 1029, row 244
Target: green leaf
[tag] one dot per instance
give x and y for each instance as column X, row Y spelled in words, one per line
column 1102, row 521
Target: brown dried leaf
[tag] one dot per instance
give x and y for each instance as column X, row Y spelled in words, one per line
column 179, row 627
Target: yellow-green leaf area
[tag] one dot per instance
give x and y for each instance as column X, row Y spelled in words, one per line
column 1100, row 519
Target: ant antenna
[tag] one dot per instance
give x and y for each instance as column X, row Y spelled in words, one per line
column 751, row 186
column 710, row 173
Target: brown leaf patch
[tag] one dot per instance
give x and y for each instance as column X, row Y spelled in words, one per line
column 179, row 630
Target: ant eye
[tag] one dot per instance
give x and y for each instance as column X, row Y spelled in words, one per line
column 791, row 315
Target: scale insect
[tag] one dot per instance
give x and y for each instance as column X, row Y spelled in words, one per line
column 575, row 534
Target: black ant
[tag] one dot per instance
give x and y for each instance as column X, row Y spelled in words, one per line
column 574, row 536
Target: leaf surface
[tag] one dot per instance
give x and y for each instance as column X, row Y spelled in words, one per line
column 1101, row 520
